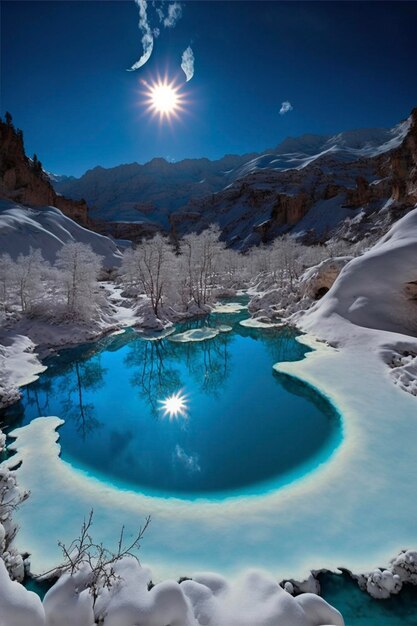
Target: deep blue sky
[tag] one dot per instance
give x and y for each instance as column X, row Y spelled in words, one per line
column 342, row 65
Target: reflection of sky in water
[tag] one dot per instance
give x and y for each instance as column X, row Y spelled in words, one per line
column 244, row 425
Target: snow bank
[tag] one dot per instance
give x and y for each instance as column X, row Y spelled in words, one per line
column 156, row 335
column 19, row 365
column 195, row 334
column 228, row 307
column 377, row 290
column 18, row 607
column 49, row 229
column 255, row 322
column 254, row 600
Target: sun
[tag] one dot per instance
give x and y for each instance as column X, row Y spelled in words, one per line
column 174, row 406
column 163, row 98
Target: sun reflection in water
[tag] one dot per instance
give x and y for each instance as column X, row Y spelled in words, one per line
column 174, row 406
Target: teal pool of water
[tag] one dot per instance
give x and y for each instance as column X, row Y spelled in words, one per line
column 359, row 609
column 246, row 429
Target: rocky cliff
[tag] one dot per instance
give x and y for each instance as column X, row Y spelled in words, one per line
column 23, row 180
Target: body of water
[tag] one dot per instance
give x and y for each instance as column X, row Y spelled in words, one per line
column 242, row 428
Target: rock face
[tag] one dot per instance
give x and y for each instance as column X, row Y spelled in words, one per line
column 23, row 180
column 350, row 185
column 403, row 163
column 317, row 280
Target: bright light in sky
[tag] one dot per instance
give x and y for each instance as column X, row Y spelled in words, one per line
column 174, row 406
column 163, row 98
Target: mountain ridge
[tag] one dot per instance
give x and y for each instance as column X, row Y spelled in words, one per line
column 252, row 198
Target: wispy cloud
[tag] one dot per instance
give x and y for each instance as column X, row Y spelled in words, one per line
column 190, row 461
column 168, row 19
column 147, row 37
column 285, row 107
column 187, row 63
column 173, row 15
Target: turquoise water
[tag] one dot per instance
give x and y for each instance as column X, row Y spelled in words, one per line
column 359, row 609
column 246, row 428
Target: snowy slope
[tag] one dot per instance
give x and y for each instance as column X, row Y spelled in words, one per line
column 377, row 290
column 297, row 153
column 48, row 229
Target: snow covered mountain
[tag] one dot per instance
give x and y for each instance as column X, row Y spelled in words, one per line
column 309, row 185
column 149, row 192
column 298, row 152
column 356, row 185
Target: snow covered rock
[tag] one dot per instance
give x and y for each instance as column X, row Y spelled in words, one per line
column 317, row 280
column 405, row 566
column 195, row 334
column 382, row 584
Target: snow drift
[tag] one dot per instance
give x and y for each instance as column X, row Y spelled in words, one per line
column 48, row 229
column 377, row 290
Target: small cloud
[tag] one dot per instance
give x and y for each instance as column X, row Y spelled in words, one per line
column 173, row 15
column 147, row 37
column 187, row 63
column 285, row 107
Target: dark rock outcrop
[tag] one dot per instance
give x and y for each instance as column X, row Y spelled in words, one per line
column 23, row 180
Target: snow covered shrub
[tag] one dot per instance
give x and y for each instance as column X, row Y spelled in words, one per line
column 91, row 565
column 383, row 583
column 405, row 566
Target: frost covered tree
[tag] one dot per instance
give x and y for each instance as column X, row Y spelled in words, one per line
column 201, row 256
column 6, row 282
column 150, row 269
column 27, row 274
column 78, row 278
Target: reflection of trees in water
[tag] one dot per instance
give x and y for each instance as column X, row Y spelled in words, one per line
column 208, row 362
column 157, row 365
column 38, row 394
column 279, row 342
column 82, row 376
column 155, row 378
